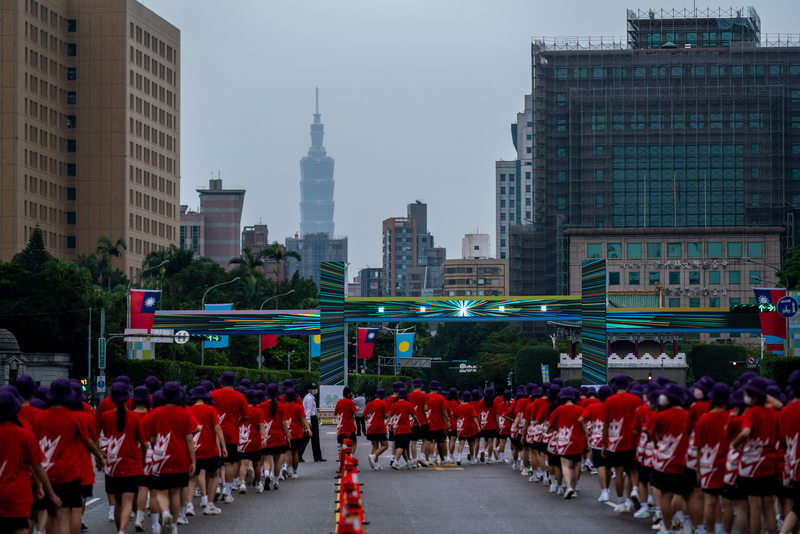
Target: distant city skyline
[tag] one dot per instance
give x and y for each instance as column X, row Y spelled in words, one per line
column 417, row 96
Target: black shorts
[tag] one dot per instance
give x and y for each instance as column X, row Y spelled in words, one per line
column 233, row 453
column 209, row 465
column 553, row 460
column 624, row 459
column 13, row 524
column 756, row 487
column 469, row 439
column 644, row 473
column 391, row 435
column 170, row 481
column 297, row 444
column 86, row 491
column 597, row 458
column 402, row 441
column 120, row 485
column 253, row 456
column 671, row 483
column 490, row 434
column 341, row 437
column 540, row 446
column 516, row 442
column 452, row 433
column 782, row 492
column 377, row 437
column 573, row 457
column 732, row 493
column 716, row 492
column 273, row 451
column 68, row 492
column 420, row 432
column 437, row 436
column 528, row 446
column 504, row 436
column 149, row 482
column 690, row 478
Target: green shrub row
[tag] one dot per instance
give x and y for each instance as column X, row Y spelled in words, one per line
column 778, row 368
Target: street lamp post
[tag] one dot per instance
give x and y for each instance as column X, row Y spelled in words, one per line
column 786, row 285
column 276, row 297
column 203, row 341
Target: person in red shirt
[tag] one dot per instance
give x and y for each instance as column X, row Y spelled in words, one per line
column 251, row 442
column 170, row 430
column 21, row 455
column 711, row 447
column 593, row 420
column 619, row 448
column 420, row 431
column 570, row 439
column 233, row 411
column 668, row 431
column 789, row 436
column 26, row 388
column 756, row 445
column 641, row 419
column 276, row 429
column 125, row 448
column 700, row 406
column 503, row 406
column 452, row 404
column 345, row 418
column 209, row 443
column 299, row 427
column 60, row 432
column 84, row 457
column 402, row 414
column 520, row 424
column 489, row 424
column 376, row 412
column 436, row 412
column 467, row 425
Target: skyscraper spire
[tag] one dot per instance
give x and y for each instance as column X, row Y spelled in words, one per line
column 316, row 183
column 317, row 115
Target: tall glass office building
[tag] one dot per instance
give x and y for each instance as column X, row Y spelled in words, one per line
column 689, row 125
column 316, row 184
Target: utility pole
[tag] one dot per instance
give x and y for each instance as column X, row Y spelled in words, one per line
column 89, row 355
column 102, row 335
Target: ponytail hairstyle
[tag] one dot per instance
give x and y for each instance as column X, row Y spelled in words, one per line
column 273, row 407
column 488, row 401
column 121, row 415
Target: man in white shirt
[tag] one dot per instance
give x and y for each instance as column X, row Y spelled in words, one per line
column 361, row 403
column 310, row 407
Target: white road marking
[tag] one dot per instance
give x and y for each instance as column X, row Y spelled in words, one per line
column 331, row 433
column 92, row 501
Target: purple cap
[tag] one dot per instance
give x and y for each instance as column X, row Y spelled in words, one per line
column 476, row 395
column 720, row 393
column 240, row 389
column 228, row 379
column 537, row 392
column 552, row 393
column 434, row 385
column 453, row 393
column 291, row 395
column 417, row 383
column 153, row 384
column 119, row 393
column 380, row 393
column 38, row 403
column 566, row 394
column 250, row 396
column 794, row 382
column 288, row 383
column 745, row 377
column 208, row 384
column 662, row 380
column 396, row 386
column 757, row 385
column 158, row 399
column 604, row 392
column 61, row 391
column 141, row 394
column 675, row 392
column 273, row 392
column 489, row 392
column 26, row 386
column 776, row 393
column 402, row 394
column 466, row 396
column 10, row 402
column 261, row 386
column 41, row 392
column 558, row 381
column 123, row 378
column 705, row 384
column 519, row 395
column 261, row 395
column 737, row 397
column 585, row 390
column 246, row 383
column 620, row 381
column 200, row 393
column 507, row 395
column 653, row 394
column 172, row 392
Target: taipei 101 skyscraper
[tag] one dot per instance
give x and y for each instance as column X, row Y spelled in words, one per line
column 316, row 184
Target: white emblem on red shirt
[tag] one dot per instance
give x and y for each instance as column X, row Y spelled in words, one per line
column 614, row 434
column 160, row 452
column 48, row 448
column 708, row 455
column 665, row 453
column 112, row 453
column 752, row 456
column 244, row 437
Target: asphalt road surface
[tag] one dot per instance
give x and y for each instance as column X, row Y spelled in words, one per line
column 459, row 499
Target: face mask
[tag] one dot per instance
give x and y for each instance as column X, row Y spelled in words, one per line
column 663, row 400
column 651, row 406
column 698, row 394
column 748, row 399
column 314, row 391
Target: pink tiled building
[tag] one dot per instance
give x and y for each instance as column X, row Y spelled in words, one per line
column 214, row 230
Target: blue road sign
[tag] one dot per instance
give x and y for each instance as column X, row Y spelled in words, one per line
column 787, row 307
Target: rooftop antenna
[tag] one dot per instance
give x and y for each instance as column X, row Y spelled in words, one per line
column 317, row 100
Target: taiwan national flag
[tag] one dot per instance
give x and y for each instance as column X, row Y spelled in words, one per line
column 143, row 308
column 366, row 342
column 267, row 341
column 773, row 326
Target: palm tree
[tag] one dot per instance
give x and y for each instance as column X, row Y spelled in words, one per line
column 250, row 261
column 277, row 253
column 106, row 249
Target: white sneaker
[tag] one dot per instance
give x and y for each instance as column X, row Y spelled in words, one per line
column 210, row 509
column 473, row 462
column 490, row 461
column 371, row 460
column 260, row 487
column 637, row 502
column 620, row 508
column 553, row 487
column 603, row 497
column 197, row 492
column 458, row 461
column 295, row 476
column 569, row 494
column 156, row 530
column 284, row 472
column 138, row 525
column 560, row 490
column 182, row 520
column 166, row 523
column 658, row 524
column 424, row 462
column 378, row 467
column 593, row 471
column 496, row 455
column 396, row 466
column 642, row 513
column 189, row 509
column 276, row 483
column 533, row 478
column 227, row 499
column 110, row 515
column 482, row 456
column 249, row 476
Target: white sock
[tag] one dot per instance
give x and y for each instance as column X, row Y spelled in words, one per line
column 501, row 455
column 679, row 515
column 628, row 502
column 139, row 515
column 650, row 499
column 182, row 511
column 120, row 532
column 718, row 528
column 459, row 455
column 204, row 500
column 643, row 506
column 228, row 486
column 155, row 519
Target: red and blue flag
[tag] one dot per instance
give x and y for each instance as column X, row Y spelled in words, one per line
column 143, row 308
column 773, row 326
column 366, row 342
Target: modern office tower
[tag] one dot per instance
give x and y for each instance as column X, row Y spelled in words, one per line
column 316, row 184
column 314, row 249
column 213, row 231
column 399, row 253
column 475, row 246
column 255, row 237
column 675, row 155
column 483, row 277
column 91, row 128
column 371, row 282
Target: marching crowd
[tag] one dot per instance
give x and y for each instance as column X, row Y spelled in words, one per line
column 691, row 460
column 157, row 446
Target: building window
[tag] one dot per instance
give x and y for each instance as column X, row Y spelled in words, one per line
column 528, row 188
column 561, row 125
column 561, row 99
column 653, row 40
column 691, row 38
column 72, row 97
column 561, row 73
column 755, row 148
column 502, row 229
column 561, row 176
column 714, row 250
column 71, row 193
column 694, row 250
column 776, row 69
column 713, row 303
column 735, row 302
column 594, row 250
column 752, row 279
column 755, row 202
column 654, row 250
column 598, row 122
column 613, row 279
column 633, row 279
column 561, row 203
column 561, row 152
column 72, row 121
column 581, row 73
column 698, row 71
column 599, row 150
column 528, row 201
column 735, row 277
column 502, row 242
column 754, row 250
column 737, row 70
column 72, row 73
column 502, row 203
column 598, row 201
column 618, row 122
column 655, row 278
column 795, row 122
column 502, row 190
column 637, row 122
column 694, row 303
column 674, row 303
column 598, row 174
column 755, row 173
column 72, row 25
column 696, row 121
column 678, row 122
column 527, row 176
column 709, row 38
column 794, row 69
column 528, row 149
column 676, row 71
column 71, row 145
column 737, row 120
column 502, row 255
column 658, row 71
column 656, row 122
column 713, row 277
column 70, row 241
column 71, row 218
column 674, row 250
column 756, row 120
column 502, row 216
column 675, row 278
column 715, row 121
column 694, row 278
column 72, row 49
column 634, row 250
column 734, row 250
column 614, row 250
column 71, row 169
column 638, row 73
column 502, row 177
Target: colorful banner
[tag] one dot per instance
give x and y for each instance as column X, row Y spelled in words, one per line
column 267, row 341
column 403, row 346
column 316, row 345
column 143, row 308
column 223, row 342
column 366, row 342
column 545, row 373
column 773, row 325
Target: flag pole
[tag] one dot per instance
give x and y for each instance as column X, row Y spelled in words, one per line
column 345, row 354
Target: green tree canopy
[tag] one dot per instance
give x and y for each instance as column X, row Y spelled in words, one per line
column 34, row 257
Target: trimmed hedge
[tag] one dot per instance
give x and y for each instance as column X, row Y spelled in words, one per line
column 529, row 361
column 190, row 375
column 715, row 361
column 778, row 369
column 573, row 383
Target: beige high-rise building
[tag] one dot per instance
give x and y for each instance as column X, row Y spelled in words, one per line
column 90, row 127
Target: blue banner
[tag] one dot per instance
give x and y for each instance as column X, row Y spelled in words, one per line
column 403, row 346
column 223, row 342
column 316, row 344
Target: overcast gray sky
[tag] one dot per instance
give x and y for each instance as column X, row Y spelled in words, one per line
column 416, row 97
